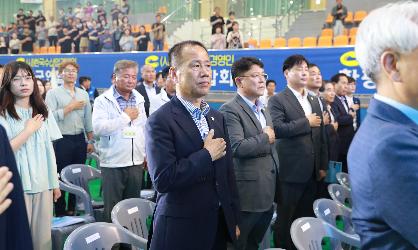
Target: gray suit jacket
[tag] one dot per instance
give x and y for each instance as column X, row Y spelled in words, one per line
column 255, row 159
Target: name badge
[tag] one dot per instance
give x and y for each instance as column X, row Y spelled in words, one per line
column 129, row 133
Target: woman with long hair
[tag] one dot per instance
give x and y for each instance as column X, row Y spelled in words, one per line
column 31, row 128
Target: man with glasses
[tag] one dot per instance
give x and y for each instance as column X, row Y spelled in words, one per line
column 190, row 161
column 298, row 125
column 255, row 158
column 72, row 111
column 119, row 119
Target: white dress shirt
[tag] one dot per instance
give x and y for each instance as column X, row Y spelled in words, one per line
column 303, row 100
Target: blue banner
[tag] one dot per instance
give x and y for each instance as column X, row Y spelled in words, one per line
column 99, row 66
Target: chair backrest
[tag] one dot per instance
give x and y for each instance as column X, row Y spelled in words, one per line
column 309, row 41
column 329, row 19
column 327, row 32
column 133, row 214
column 341, row 40
column 353, row 31
column 330, row 211
column 80, row 175
column 100, row 235
column 325, row 41
column 252, row 42
column 95, row 157
column 349, row 17
column 51, row 50
column 80, row 193
column 279, row 42
column 359, row 15
column 344, row 180
column 265, row 43
column 340, row 194
column 294, row 42
column 307, row 234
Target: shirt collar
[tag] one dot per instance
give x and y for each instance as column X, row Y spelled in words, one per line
column 313, row 93
column 257, row 107
column 148, row 87
column 193, row 110
column 408, row 111
column 117, row 95
column 299, row 95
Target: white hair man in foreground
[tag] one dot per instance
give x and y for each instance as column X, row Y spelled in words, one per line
column 383, row 157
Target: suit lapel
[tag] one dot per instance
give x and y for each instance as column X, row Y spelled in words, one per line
column 294, row 101
column 185, row 122
column 315, row 105
column 340, row 105
column 248, row 110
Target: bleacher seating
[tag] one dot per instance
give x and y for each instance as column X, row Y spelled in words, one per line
column 294, row 42
column 327, row 32
column 265, row 44
column 359, row 16
column 325, row 41
column 341, row 40
column 279, row 42
column 309, row 41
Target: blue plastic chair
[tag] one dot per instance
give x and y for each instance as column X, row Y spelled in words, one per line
column 307, row 234
column 100, row 235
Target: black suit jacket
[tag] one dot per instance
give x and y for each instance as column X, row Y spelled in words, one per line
column 302, row 150
column 14, row 226
column 141, row 89
column 191, row 187
column 345, row 125
column 357, row 101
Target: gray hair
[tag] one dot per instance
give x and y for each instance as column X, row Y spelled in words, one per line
column 393, row 26
column 124, row 64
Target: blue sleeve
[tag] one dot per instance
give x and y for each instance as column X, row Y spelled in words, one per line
column 396, row 176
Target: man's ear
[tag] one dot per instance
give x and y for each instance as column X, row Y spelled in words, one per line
column 173, row 74
column 389, row 61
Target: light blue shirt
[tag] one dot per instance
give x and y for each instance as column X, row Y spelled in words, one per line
column 198, row 115
column 35, row 159
column 408, row 111
column 256, row 108
column 75, row 122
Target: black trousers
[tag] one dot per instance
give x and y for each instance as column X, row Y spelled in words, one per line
column 222, row 235
column 295, row 201
column 253, row 226
column 71, row 149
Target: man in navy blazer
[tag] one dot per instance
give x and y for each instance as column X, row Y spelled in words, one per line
column 383, row 157
column 353, row 102
column 190, row 161
column 344, row 116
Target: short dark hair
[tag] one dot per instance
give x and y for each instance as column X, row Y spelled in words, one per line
column 165, row 71
column 242, row 65
column 311, row 65
column 351, row 79
column 335, row 78
column 82, row 79
column 270, row 81
column 175, row 52
column 231, row 13
column 293, row 60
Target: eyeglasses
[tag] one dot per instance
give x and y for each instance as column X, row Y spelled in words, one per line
column 69, row 71
column 20, row 79
column 260, row 76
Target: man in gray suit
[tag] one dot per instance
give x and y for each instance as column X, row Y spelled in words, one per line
column 255, row 159
column 301, row 146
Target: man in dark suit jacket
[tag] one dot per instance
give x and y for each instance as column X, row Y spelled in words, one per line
column 298, row 125
column 255, row 158
column 383, row 157
column 148, row 88
column 190, row 161
column 344, row 116
column 353, row 101
column 14, row 225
